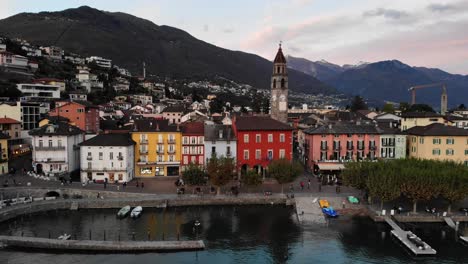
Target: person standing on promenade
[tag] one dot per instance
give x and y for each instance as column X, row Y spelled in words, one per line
column 308, row 184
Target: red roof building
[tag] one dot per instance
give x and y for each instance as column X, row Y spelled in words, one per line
column 81, row 113
column 261, row 139
column 193, row 148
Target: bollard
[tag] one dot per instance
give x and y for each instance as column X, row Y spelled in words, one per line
column 178, row 236
column 90, row 234
column 163, row 236
column 49, row 233
column 104, row 235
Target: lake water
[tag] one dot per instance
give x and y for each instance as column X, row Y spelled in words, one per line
column 247, row 234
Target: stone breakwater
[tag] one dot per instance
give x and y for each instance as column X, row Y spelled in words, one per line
column 100, row 246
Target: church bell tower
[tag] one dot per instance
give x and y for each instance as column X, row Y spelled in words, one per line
column 279, row 88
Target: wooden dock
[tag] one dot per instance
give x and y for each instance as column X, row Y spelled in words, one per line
column 101, row 246
column 309, row 211
column 402, row 235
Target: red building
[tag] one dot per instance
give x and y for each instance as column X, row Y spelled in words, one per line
column 80, row 113
column 193, row 148
column 261, row 139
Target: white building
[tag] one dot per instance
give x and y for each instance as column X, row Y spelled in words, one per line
column 107, row 156
column 101, row 62
column 78, row 95
column 392, row 146
column 88, row 80
column 55, row 148
column 12, row 61
column 219, row 141
column 55, row 53
column 141, row 99
column 38, row 90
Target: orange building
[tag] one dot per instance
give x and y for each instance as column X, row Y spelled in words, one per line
column 83, row 114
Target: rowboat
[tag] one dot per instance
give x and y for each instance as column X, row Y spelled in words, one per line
column 324, row 203
column 330, row 212
column 64, row 237
column 353, row 199
column 136, row 212
column 124, row 211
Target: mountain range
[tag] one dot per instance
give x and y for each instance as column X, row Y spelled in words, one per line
column 386, row 80
column 129, row 41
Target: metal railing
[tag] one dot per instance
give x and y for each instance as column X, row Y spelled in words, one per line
column 50, row 148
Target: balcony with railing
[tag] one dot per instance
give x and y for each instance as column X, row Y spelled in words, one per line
column 120, row 157
column 89, row 158
column 228, row 154
column 171, row 151
column 372, row 147
column 323, row 147
column 143, row 151
column 51, row 148
column 91, row 169
column 160, row 151
column 360, row 147
column 337, row 147
column 143, row 141
column 350, row 147
column 171, row 141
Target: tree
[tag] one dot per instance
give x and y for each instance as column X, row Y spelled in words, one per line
column 257, row 103
column 461, row 107
column 216, row 106
column 266, row 105
column 358, row 103
column 388, row 108
column 220, row 171
column 285, row 171
column 403, row 107
column 421, row 108
column 251, row 178
column 193, row 175
column 195, row 96
column 8, row 89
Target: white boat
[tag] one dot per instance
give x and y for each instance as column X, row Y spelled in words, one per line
column 124, row 211
column 64, row 237
column 136, row 212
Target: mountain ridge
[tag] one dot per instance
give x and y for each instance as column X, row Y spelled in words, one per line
column 129, row 41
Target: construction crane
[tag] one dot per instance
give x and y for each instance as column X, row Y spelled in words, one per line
column 443, row 97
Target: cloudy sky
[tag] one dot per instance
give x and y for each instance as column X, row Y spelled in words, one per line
column 418, row 32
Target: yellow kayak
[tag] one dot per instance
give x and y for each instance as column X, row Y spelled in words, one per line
column 324, row 203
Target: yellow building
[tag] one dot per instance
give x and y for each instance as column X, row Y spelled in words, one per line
column 158, row 148
column 438, row 142
column 3, row 153
column 413, row 119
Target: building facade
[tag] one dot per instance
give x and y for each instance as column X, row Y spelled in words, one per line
column 438, row 142
column 56, row 148
column 409, row 120
column 260, row 140
column 3, row 153
column 220, row 141
column 193, row 140
column 327, row 147
column 158, row 148
column 279, row 88
column 39, row 90
column 107, row 157
column 83, row 114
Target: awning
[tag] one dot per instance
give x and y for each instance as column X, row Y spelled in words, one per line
column 331, row 167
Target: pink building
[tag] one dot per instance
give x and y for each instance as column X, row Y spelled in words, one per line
column 327, row 147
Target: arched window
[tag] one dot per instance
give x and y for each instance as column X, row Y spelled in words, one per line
column 282, row 83
column 274, row 83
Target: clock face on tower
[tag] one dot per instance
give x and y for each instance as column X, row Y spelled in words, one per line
column 274, row 98
column 282, row 98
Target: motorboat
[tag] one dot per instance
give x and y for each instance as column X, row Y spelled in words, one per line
column 136, row 212
column 124, row 211
column 64, row 237
column 353, row 199
column 330, row 212
column 324, row 203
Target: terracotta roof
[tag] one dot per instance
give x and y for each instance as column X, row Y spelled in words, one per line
column 246, row 123
column 154, row 125
column 56, row 129
column 344, row 128
column 193, row 128
column 7, row 120
column 437, row 129
column 109, row 140
column 279, row 58
column 420, row 115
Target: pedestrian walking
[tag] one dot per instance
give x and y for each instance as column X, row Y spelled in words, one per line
column 98, row 195
column 302, row 185
column 124, row 184
column 142, row 185
column 105, row 185
column 118, row 187
column 308, row 184
column 137, row 185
